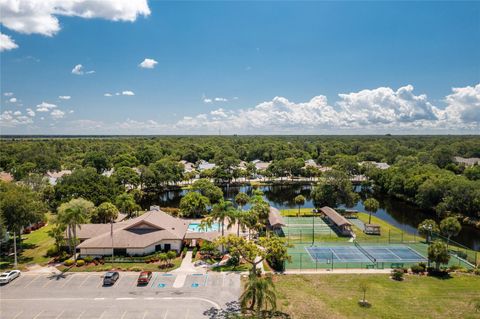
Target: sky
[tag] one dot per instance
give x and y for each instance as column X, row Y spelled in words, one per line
column 232, row 67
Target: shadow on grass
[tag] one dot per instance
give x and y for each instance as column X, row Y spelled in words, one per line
column 233, row 311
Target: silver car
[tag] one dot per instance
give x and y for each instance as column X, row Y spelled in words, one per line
column 8, row 276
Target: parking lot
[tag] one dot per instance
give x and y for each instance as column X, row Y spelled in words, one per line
column 82, row 295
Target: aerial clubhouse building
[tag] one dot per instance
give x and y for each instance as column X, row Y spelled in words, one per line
column 153, row 231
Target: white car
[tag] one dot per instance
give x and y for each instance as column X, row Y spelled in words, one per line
column 8, row 276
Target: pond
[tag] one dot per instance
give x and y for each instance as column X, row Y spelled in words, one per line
column 395, row 212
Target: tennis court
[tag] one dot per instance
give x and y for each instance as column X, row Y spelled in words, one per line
column 388, row 253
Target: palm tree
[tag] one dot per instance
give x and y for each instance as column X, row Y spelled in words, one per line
column 259, row 294
column 72, row 214
column 371, row 206
column 242, row 199
column 221, row 211
column 299, row 200
column 126, row 204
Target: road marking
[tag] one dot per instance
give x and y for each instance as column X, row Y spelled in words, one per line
column 99, row 299
column 49, row 281
column 166, row 313
column 118, row 280
column 153, row 282
column 205, row 283
column 187, row 313
column 80, row 315
column 67, row 281
column 38, row 314
column 144, row 314
column 60, row 314
column 18, row 314
column 223, row 280
column 101, row 316
column 124, row 313
column 125, row 298
column 149, row 298
column 84, row 281
column 32, row 281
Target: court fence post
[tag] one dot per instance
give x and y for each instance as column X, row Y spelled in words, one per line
column 301, row 261
column 389, row 236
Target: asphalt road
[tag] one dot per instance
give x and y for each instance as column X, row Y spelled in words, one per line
column 82, row 296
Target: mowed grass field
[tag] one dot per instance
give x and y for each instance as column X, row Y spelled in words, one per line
column 336, row 296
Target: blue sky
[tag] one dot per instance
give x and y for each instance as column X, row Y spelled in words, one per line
column 274, row 67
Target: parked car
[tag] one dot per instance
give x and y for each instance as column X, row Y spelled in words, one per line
column 144, row 277
column 8, row 276
column 110, row 278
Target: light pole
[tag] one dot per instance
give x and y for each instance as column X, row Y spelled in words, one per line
column 313, row 227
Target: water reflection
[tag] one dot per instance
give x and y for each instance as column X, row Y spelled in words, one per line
column 395, row 212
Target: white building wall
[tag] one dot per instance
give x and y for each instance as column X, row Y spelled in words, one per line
column 175, row 244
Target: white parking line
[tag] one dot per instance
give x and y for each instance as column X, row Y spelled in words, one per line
column 101, row 316
column 67, row 280
column 123, row 315
column 187, row 313
column 166, row 312
column 84, row 280
column 144, row 314
column 18, row 314
column 60, row 314
column 38, row 314
column 28, row 284
column 80, row 315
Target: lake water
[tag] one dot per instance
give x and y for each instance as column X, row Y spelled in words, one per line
column 398, row 213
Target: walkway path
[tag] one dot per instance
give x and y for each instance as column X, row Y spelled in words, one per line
column 186, row 268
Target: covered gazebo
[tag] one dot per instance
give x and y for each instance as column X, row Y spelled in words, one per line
column 372, row 229
column 341, row 223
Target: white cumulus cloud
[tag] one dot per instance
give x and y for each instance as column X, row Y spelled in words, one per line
column 463, row 105
column 64, row 97
column 7, row 43
column 79, row 70
column 130, row 93
column 221, row 99
column 8, row 94
column 12, row 100
column 57, row 114
column 30, row 112
column 10, row 118
column 148, row 63
column 107, row 94
column 45, row 107
column 40, row 16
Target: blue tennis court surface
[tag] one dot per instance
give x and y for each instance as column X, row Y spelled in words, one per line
column 388, row 253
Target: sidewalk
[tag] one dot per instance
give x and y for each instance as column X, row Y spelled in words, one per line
column 186, row 268
column 338, row 271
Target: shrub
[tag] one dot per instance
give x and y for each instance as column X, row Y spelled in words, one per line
column 80, row 263
column 52, row 252
column 63, row 256
column 397, row 274
column 416, row 269
column 88, row 259
column 68, row 262
column 476, row 271
column 135, row 269
column 194, row 252
column 184, row 251
column 233, row 261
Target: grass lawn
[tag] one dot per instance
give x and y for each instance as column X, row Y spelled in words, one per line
column 123, row 267
column 336, row 296
column 294, row 211
column 241, row 267
column 35, row 246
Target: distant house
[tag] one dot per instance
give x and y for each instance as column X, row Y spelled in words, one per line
column 53, row 177
column 6, row 177
column 203, row 165
column 187, row 166
column 311, row 163
column 275, row 219
column 109, row 172
column 343, row 226
column 378, row 165
column 467, row 161
column 259, row 165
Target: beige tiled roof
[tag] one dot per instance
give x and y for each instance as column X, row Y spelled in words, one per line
column 139, row 232
column 335, row 217
column 275, row 218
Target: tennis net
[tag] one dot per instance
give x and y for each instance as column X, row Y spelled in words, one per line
column 364, row 251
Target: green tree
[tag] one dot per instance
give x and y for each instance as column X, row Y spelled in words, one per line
column 166, row 170
column 97, row 160
column 333, row 190
column 450, row 227
column 208, row 189
column 259, row 295
column 438, row 253
column 126, row 176
column 105, row 213
column 72, row 214
column 126, row 204
column 300, row 201
column 371, row 206
column 242, row 199
column 57, row 232
column 427, row 227
column 221, row 212
column 193, row 205
column 276, row 251
column 20, row 207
